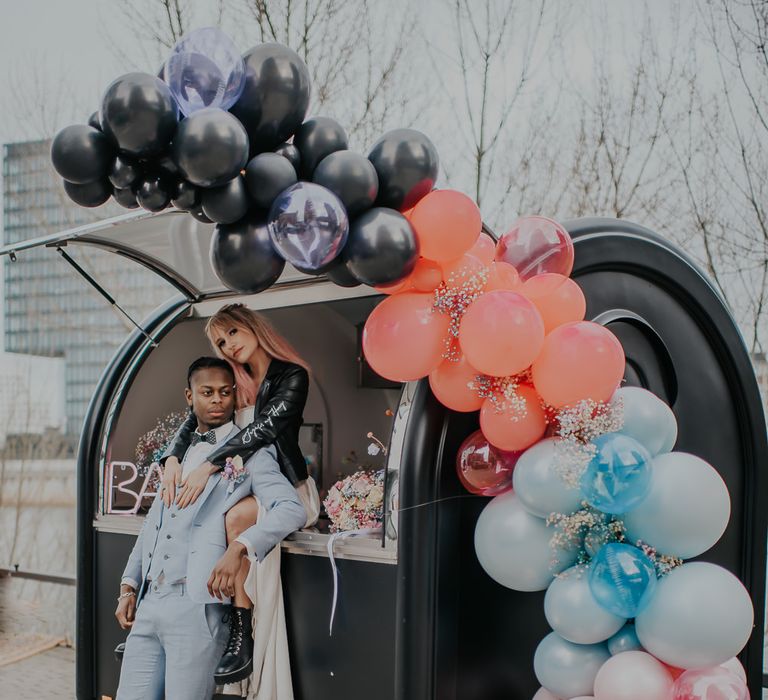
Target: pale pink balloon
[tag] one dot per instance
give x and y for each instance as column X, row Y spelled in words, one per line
column 501, row 333
column 716, row 683
column 535, row 245
column 633, row 675
column 581, row 360
column 559, row 299
column 484, row 469
column 404, row 338
column 484, row 248
column 511, row 429
column 449, row 383
column 734, row 666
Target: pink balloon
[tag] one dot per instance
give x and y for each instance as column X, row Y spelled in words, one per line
column 544, row 694
column 734, row 666
column 404, row 337
column 716, row 683
column 460, row 270
column 501, row 333
column 535, row 245
column 559, row 299
column 450, row 385
column 484, row 469
column 484, row 249
column 633, row 675
column 502, row 275
column 510, row 429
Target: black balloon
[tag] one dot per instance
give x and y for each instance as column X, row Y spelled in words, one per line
column 125, row 197
column 351, row 177
column 317, row 138
column 153, row 192
column 167, row 165
column 140, row 113
column 210, row 147
column 90, row 194
column 276, row 95
column 289, row 151
column 339, row 274
column 381, row 247
column 123, row 173
column 243, row 257
column 81, row 154
column 199, row 214
column 406, row 162
column 94, row 120
column 185, row 196
column 227, row 203
column 267, row 175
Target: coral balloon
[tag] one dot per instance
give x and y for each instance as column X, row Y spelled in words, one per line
column 501, row 333
column 710, row 684
column 484, row 248
column 447, row 224
column 426, row 276
column 460, row 270
column 482, row 468
column 511, row 428
column 580, row 360
column 535, row 245
column 449, row 383
column 402, row 285
column 633, row 675
column 502, row 275
column 404, row 338
column 559, row 299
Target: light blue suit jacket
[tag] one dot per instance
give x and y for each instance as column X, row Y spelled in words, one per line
column 208, row 539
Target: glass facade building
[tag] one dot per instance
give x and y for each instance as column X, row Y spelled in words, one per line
column 50, row 309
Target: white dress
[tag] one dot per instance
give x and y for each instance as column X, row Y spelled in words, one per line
column 271, row 678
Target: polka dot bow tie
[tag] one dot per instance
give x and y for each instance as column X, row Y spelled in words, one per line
column 210, row 437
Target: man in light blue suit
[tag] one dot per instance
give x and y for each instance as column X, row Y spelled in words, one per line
column 181, row 571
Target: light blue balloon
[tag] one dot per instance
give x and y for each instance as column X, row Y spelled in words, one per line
column 686, row 510
column 647, row 419
column 622, row 579
column 565, row 669
column 700, row 616
column 618, row 477
column 573, row 612
column 538, row 485
column 513, row 546
column 624, row 640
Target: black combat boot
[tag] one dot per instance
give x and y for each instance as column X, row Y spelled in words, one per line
column 237, row 661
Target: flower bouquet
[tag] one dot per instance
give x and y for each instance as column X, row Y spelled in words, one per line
column 356, row 501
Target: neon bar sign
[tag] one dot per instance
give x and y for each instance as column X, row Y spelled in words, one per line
column 124, row 485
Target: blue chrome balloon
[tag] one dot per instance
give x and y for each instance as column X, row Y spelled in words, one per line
column 205, row 70
column 622, row 579
column 308, row 226
column 618, row 477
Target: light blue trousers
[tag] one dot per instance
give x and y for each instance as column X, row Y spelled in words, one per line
column 173, row 648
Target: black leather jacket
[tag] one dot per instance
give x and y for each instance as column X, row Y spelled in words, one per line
column 277, row 419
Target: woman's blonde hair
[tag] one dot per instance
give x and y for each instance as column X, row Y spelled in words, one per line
column 240, row 316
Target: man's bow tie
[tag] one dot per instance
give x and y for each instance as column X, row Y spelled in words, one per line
column 210, row 437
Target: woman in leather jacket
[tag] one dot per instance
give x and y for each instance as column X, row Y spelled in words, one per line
column 272, row 383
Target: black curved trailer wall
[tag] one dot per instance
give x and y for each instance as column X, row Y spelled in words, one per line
column 460, row 634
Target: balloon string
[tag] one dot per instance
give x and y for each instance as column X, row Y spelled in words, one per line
column 430, row 503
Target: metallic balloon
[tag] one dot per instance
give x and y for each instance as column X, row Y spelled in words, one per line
column 227, row 203
column 198, row 214
column 123, row 172
column 185, row 196
column 89, row 194
column 622, row 579
column 81, row 154
column 568, row 669
column 139, row 112
column 210, row 147
column 382, row 247
column 153, row 192
column 308, row 226
column 317, row 138
column 275, row 97
column 243, row 257
column 351, row 177
column 267, row 175
column 289, row 151
column 125, row 197
column 205, row 69
column 406, row 162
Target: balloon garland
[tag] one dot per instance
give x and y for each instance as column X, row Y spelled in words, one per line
column 590, row 502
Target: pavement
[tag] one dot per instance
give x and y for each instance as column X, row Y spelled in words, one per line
column 46, row 675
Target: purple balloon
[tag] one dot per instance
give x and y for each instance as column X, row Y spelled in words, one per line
column 205, row 70
column 308, row 226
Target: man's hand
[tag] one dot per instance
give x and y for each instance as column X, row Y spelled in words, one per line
column 194, row 484
column 126, row 608
column 222, row 581
column 171, row 479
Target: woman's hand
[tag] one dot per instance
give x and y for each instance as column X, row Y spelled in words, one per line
column 194, row 484
column 171, row 479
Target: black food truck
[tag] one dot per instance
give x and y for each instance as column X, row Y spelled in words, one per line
column 417, row 618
